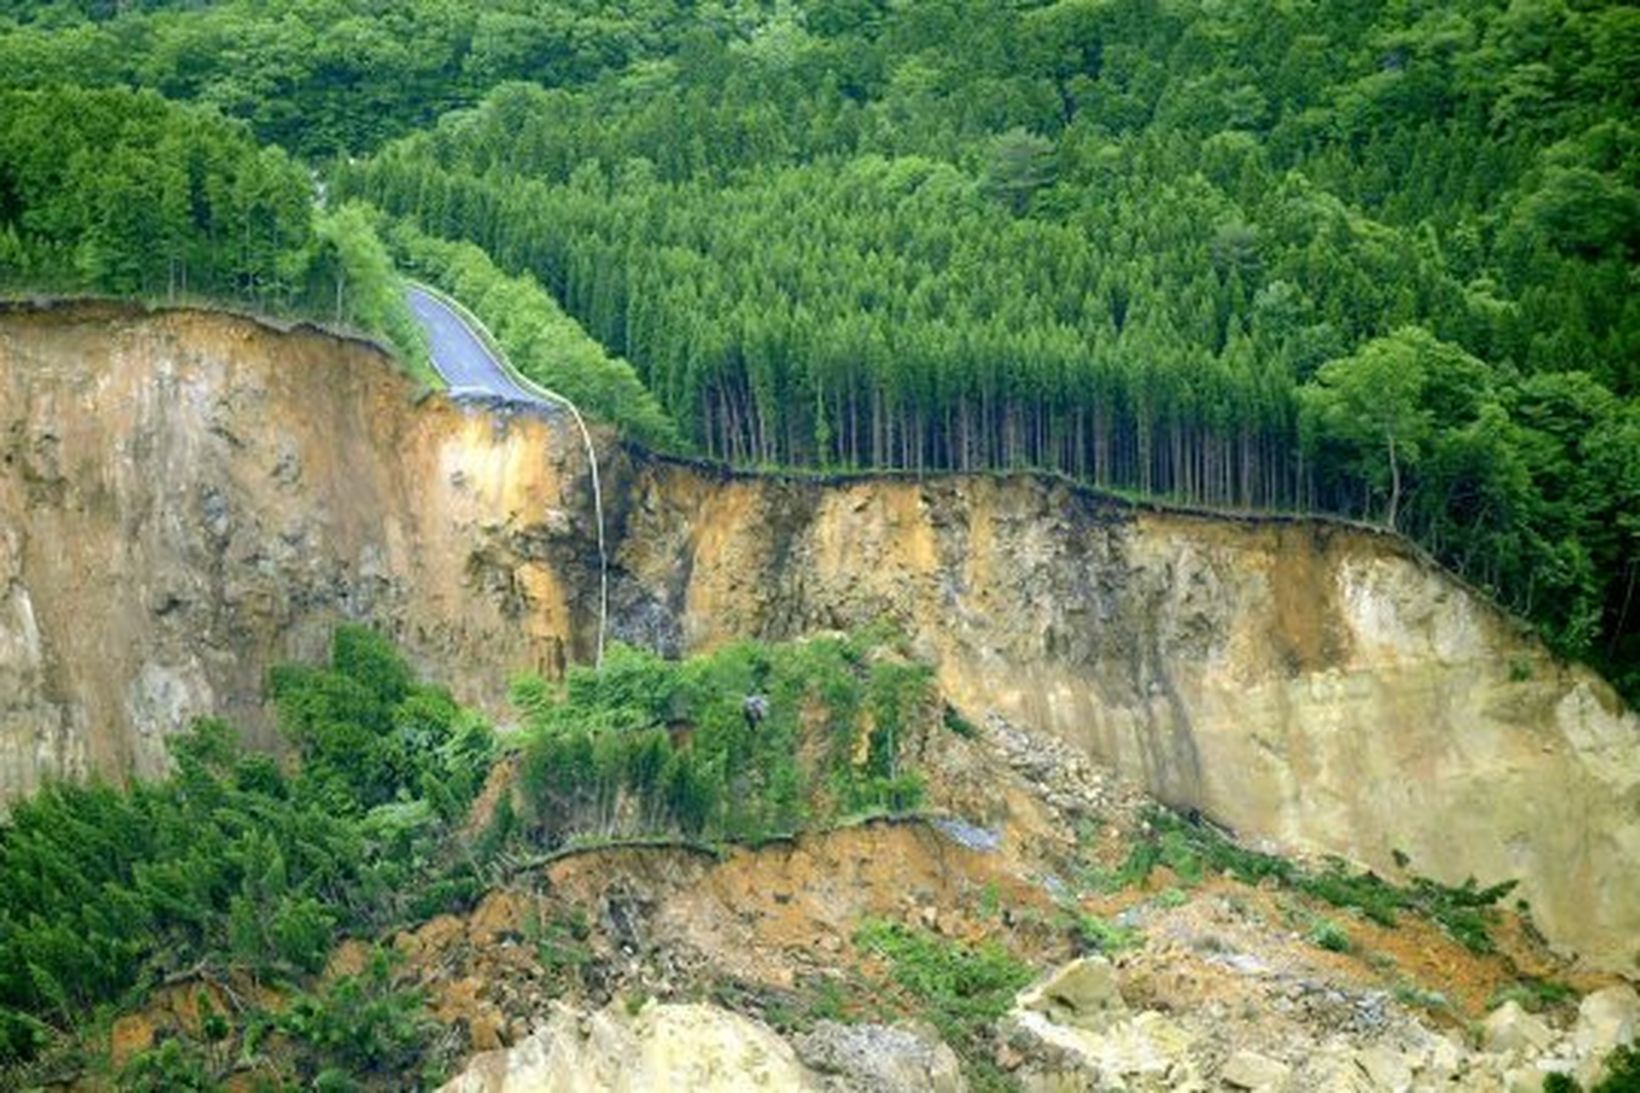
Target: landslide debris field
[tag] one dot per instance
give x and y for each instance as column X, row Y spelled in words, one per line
column 882, row 895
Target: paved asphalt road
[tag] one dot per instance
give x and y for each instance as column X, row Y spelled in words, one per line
column 459, row 356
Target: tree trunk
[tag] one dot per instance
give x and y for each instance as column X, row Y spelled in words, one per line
column 1394, row 483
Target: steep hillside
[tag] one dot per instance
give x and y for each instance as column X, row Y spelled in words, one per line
column 235, row 489
column 188, row 498
column 1310, row 683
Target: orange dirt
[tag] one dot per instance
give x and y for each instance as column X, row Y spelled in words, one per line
column 1415, row 953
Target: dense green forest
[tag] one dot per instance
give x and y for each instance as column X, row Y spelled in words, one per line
column 133, row 194
column 320, row 77
column 1370, row 258
column 126, row 193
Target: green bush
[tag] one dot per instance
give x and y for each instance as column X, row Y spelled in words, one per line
column 650, row 746
column 1094, row 934
column 960, row 724
column 1622, row 1075
column 1534, row 995
column 361, row 1031
column 173, row 1065
column 369, row 735
column 1330, row 936
column 360, row 1025
column 1622, row 1071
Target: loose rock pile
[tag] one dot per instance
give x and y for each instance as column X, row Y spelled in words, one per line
column 1073, row 1030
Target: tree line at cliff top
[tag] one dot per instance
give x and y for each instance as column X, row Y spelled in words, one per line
column 1369, row 258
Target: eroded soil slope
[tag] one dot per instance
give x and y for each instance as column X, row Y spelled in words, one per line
column 757, row 967
column 186, row 498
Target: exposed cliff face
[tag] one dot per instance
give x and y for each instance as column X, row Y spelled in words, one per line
column 1314, row 685
column 186, row 498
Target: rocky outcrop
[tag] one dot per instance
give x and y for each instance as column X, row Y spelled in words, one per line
column 1088, row 1039
column 1072, row 1030
column 186, row 498
column 1082, row 994
column 662, row 1047
column 1254, row 1072
column 1606, row 1020
column 871, row 1058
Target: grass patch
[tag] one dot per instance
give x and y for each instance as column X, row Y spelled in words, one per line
column 562, row 943
column 1534, row 994
column 1434, row 1001
column 990, row 900
column 960, row 989
column 1193, row 849
column 845, row 998
column 1173, row 898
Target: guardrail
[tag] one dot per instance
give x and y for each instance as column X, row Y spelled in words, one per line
column 476, row 327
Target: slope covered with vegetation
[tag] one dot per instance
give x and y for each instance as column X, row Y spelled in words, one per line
column 235, row 864
column 1367, row 258
column 238, row 871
